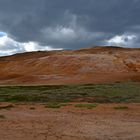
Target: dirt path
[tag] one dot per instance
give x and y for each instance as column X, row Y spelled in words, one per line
column 23, row 122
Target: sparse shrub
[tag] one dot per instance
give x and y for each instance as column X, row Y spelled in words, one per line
column 32, row 108
column 88, row 106
column 6, row 107
column 55, row 105
column 2, row 117
column 120, row 107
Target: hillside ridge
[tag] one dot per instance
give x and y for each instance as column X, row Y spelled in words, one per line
column 83, row 66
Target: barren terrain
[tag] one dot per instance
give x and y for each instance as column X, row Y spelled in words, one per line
column 90, row 65
column 70, row 112
column 86, row 94
column 35, row 122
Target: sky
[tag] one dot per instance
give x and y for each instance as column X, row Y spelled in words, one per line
column 32, row 25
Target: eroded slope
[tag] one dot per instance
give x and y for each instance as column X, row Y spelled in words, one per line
column 90, row 65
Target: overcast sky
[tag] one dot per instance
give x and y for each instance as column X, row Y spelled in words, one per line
column 30, row 25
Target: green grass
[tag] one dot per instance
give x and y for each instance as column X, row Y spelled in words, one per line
column 99, row 93
column 2, row 117
column 121, row 107
column 55, row 105
column 88, row 106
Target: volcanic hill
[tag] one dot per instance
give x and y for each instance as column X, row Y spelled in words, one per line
column 84, row 66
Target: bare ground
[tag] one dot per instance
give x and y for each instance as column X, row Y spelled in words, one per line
column 85, row 66
column 35, row 122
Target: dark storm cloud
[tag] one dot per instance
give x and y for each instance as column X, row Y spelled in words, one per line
column 72, row 23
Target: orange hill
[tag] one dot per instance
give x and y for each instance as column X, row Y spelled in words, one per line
column 84, row 66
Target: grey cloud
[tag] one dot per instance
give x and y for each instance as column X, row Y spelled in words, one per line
column 9, row 46
column 69, row 24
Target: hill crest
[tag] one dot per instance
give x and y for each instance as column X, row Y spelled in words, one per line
column 83, row 66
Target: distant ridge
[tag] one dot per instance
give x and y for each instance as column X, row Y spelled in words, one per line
column 98, row 64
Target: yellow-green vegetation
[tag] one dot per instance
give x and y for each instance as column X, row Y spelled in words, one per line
column 55, row 105
column 99, row 93
column 88, row 106
column 121, row 107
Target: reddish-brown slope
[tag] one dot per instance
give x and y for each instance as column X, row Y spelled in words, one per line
column 89, row 65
